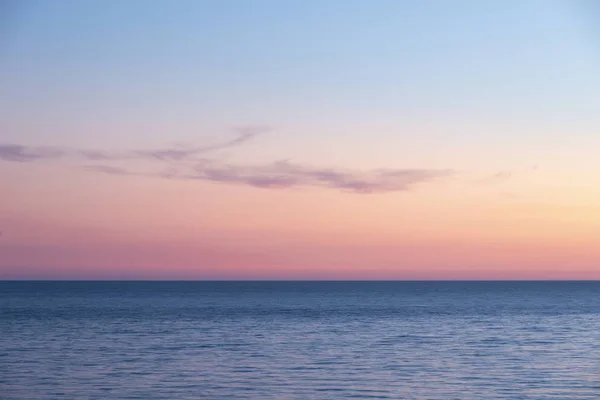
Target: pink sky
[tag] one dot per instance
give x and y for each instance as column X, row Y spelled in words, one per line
column 383, row 140
column 63, row 223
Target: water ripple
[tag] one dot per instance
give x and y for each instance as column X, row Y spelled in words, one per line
column 276, row 340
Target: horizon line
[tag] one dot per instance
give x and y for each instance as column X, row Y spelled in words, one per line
column 299, row 280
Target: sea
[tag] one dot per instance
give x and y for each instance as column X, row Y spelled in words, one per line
column 299, row 340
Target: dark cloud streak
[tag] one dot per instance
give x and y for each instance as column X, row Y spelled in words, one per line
column 283, row 174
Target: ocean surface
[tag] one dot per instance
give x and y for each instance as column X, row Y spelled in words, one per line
column 299, row 340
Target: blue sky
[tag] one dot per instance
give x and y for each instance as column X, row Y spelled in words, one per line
column 295, row 64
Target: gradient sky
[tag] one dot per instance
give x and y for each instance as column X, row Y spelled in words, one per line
column 328, row 139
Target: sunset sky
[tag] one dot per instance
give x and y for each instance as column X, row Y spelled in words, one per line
column 313, row 139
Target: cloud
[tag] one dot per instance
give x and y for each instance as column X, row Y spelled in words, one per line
column 507, row 175
column 108, row 169
column 180, row 153
column 247, row 133
column 283, row 174
column 187, row 163
column 169, row 154
column 99, row 155
column 19, row 153
column 500, row 176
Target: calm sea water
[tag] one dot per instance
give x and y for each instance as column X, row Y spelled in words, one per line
column 299, row 340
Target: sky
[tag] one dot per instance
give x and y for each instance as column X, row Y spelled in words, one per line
column 329, row 139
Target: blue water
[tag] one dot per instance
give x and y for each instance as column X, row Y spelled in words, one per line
column 299, row 340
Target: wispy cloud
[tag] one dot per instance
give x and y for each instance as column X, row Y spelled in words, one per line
column 180, row 153
column 108, row 169
column 187, row 163
column 499, row 176
column 19, row 153
column 507, row 175
column 99, row 155
column 283, row 174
